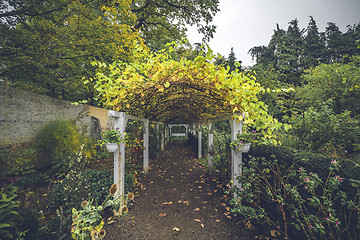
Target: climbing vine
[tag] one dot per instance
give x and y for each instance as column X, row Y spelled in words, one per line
column 157, row 87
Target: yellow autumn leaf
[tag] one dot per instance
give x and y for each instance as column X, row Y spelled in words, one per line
column 167, row 84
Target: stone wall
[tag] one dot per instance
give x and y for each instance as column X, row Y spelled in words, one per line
column 23, row 113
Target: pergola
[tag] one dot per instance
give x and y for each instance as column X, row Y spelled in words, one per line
column 158, row 89
column 120, row 120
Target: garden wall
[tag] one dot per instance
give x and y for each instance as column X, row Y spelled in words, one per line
column 22, row 113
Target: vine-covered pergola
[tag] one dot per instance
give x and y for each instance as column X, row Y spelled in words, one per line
column 157, row 88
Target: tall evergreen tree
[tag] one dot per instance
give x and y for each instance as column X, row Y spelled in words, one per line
column 314, row 48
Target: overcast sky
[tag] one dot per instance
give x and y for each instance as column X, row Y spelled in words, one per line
column 243, row 24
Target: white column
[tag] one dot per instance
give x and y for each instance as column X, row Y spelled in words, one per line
column 200, row 141
column 170, row 130
column 146, row 147
column 210, row 145
column 163, row 138
column 236, row 156
column 120, row 122
column 158, row 137
column 166, row 134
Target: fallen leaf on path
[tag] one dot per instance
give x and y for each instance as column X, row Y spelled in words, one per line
column 202, row 225
column 162, row 214
column 223, row 204
column 197, row 209
column 197, row 220
column 205, row 202
column 186, row 202
column 179, row 201
column 217, row 220
column 175, row 229
column 167, row 203
column 227, row 209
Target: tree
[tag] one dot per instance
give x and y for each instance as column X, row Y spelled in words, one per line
column 314, row 46
column 48, row 49
column 336, row 82
column 166, row 20
column 231, row 61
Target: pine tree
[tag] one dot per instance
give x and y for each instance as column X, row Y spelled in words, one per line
column 314, row 46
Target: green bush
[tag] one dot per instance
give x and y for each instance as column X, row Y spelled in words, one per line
column 222, row 154
column 99, row 182
column 321, row 130
column 311, row 161
column 55, row 142
column 300, row 203
column 32, row 180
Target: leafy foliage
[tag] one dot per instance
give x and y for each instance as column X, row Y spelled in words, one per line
column 17, row 162
column 291, row 51
column 321, row 130
column 48, row 44
column 161, row 21
column 298, row 202
column 8, row 211
column 57, row 142
column 160, row 88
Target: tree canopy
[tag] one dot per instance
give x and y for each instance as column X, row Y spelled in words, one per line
column 163, row 21
column 46, row 46
column 291, row 51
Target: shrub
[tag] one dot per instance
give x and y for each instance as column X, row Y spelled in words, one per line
column 222, row 154
column 55, row 142
column 321, row 130
column 301, row 194
column 34, row 179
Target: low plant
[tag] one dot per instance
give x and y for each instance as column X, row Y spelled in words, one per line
column 32, row 180
column 88, row 221
column 73, row 188
column 100, row 152
column 8, row 211
column 16, row 162
column 298, row 203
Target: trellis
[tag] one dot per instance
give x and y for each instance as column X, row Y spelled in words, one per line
column 183, row 134
column 120, row 120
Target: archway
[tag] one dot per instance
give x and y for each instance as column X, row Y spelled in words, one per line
column 162, row 90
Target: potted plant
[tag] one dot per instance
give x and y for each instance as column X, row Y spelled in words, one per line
column 112, row 138
column 243, row 141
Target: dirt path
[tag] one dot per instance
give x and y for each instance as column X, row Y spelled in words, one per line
column 177, row 194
